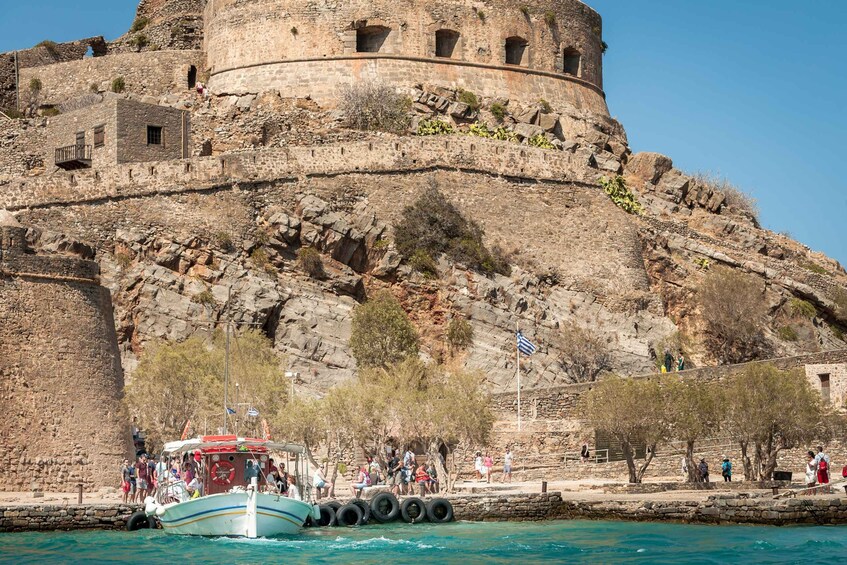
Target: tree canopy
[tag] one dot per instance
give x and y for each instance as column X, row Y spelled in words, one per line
column 381, row 332
column 177, row 382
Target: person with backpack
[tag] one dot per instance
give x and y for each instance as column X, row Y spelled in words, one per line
column 393, row 470
column 822, row 463
column 726, row 470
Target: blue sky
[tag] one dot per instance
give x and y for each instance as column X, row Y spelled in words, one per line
column 753, row 90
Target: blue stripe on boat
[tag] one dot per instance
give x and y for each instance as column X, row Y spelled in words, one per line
column 281, row 512
column 244, row 506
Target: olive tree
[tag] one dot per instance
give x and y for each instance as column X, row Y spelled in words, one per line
column 381, row 332
column 694, row 412
column 768, row 410
column 634, row 412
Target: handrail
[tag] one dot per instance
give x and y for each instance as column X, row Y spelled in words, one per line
column 72, row 153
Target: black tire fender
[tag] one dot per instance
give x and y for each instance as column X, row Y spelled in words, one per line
column 349, row 515
column 439, row 511
column 328, row 519
column 335, row 505
column 364, row 507
column 138, row 521
column 413, row 510
column 385, row 507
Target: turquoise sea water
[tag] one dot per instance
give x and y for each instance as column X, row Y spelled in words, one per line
column 521, row 543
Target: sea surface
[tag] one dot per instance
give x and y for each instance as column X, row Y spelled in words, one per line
column 468, row 543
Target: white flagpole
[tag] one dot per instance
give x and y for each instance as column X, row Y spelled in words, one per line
column 518, row 353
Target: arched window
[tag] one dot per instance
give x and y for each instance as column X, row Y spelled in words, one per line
column 572, row 62
column 89, row 52
column 192, row 76
column 516, row 51
column 370, row 39
column 445, row 42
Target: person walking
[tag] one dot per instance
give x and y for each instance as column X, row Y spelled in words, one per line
column 507, row 466
column 668, row 362
column 488, row 463
column 703, row 467
column 822, row 465
column 584, row 453
column 684, row 468
column 125, row 484
column 394, row 472
column 477, row 463
column 680, row 363
column 811, row 470
column 726, row 470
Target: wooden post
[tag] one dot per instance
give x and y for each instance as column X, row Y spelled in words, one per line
column 79, row 498
column 543, row 487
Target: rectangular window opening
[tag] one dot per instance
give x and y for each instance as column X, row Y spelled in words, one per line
column 824, row 380
column 154, row 135
column 99, row 136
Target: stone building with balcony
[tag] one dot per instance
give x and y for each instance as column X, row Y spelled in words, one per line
column 114, row 131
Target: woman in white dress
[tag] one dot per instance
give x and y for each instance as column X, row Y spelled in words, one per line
column 811, row 470
column 478, row 466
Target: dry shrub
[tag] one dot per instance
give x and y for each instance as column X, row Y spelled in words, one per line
column 733, row 308
column 310, row 262
column 735, row 197
column 374, row 106
column 583, row 354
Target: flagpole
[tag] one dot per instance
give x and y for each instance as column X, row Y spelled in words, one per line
column 518, row 355
column 226, row 364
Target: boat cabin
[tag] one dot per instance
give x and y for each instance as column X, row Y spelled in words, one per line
column 229, row 465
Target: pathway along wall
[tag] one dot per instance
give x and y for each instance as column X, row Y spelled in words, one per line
column 550, row 50
column 60, row 375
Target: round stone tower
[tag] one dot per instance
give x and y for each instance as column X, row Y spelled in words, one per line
column 61, row 382
column 543, row 49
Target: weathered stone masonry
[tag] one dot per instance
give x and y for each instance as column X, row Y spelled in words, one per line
column 60, row 375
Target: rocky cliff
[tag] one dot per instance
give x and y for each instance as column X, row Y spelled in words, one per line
column 178, row 260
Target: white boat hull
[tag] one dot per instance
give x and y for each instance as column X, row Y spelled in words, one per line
column 227, row 515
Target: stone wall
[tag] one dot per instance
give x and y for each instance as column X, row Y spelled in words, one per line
column 150, row 73
column 718, row 509
column 52, row 517
column 62, row 130
column 199, row 174
column 323, row 79
column 40, row 56
column 507, row 508
column 22, row 147
column 132, row 135
column 60, row 375
column 253, row 45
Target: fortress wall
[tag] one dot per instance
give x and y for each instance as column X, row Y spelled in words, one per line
column 153, row 73
column 191, row 175
column 252, row 33
column 60, row 377
column 323, row 79
column 8, row 86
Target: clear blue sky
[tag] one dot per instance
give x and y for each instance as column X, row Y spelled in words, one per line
column 754, row 90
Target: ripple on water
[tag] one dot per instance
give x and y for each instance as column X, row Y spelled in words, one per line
column 558, row 542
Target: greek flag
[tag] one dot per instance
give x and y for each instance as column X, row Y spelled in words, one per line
column 252, row 412
column 524, row 345
column 229, row 410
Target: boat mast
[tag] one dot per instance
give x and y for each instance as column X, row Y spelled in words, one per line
column 226, row 367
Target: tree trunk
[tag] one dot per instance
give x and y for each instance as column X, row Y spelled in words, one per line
column 651, row 452
column 435, row 456
column 758, row 456
column 745, row 460
column 630, row 461
column 689, row 461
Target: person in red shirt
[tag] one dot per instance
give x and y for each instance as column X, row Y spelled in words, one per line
column 423, row 479
column 142, row 478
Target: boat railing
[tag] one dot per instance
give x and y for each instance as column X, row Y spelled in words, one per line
column 172, row 492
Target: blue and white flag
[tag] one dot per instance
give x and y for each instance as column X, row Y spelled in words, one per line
column 229, row 410
column 252, row 412
column 524, row 345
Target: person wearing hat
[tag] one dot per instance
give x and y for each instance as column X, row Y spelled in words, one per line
column 726, row 469
column 703, row 467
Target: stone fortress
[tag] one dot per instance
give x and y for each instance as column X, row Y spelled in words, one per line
column 182, row 192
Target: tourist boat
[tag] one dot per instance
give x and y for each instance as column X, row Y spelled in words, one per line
column 232, row 504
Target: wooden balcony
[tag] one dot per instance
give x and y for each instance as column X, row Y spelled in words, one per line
column 73, row 157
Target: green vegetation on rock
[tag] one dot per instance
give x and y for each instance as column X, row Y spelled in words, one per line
column 621, row 195
column 434, row 225
column 381, row 333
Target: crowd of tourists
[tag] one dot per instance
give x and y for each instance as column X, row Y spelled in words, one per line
column 484, row 465
column 140, row 479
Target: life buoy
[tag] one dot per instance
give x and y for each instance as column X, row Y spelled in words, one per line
column 222, row 473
